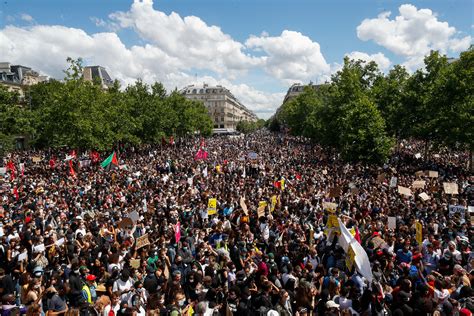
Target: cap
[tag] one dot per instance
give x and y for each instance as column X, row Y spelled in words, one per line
column 331, row 304
column 90, row 277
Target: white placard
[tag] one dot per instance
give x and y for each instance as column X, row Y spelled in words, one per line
column 424, row 196
column 39, row 248
column 134, row 216
column 393, row 182
column 392, row 222
column 23, row 256
column 59, row 242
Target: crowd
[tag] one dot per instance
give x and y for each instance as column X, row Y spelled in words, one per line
column 262, row 224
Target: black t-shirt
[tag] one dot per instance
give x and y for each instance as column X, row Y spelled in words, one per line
column 6, row 284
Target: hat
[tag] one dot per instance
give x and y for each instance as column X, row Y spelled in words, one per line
column 331, row 304
column 38, row 271
column 100, row 288
column 90, row 277
column 271, row 256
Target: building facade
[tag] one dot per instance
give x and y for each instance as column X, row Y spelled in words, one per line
column 296, row 89
column 91, row 73
column 18, row 78
column 223, row 107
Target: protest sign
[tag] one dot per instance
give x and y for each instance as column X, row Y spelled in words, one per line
column 325, row 172
column 252, row 155
column 142, row 241
column 457, row 209
column 335, row 192
column 450, row 188
column 420, row 184
column 22, row 256
column 135, row 263
column 3, row 170
column 212, row 207
column 273, row 203
column 59, row 242
column 417, row 155
column 393, row 182
column 145, row 206
column 404, row 191
column 125, row 223
column 244, row 206
column 424, row 196
column 261, row 211
column 36, row 159
column 134, row 216
column 433, row 174
column 392, row 222
column 39, row 248
column 419, row 233
column 378, row 242
column 419, row 174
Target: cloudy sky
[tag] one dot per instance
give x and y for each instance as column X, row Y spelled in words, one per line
column 256, row 48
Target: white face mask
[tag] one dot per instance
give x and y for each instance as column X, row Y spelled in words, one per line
column 182, row 302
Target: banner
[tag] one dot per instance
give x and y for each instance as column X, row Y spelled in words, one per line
column 212, row 207
column 350, row 258
column 177, row 232
column 332, row 221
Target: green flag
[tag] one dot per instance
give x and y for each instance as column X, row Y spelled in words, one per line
column 110, row 162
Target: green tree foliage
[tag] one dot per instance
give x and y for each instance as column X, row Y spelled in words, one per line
column 80, row 114
column 249, row 127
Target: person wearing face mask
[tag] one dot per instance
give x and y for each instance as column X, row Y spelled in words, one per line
column 283, row 306
column 179, row 304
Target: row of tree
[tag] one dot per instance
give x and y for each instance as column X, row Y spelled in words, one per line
column 249, row 127
column 362, row 112
column 80, row 114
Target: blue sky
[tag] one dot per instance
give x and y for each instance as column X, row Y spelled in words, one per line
column 255, row 48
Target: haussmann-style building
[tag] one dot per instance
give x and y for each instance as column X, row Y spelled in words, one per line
column 224, row 108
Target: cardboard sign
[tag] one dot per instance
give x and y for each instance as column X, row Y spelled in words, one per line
column 331, row 207
column 350, row 258
column 335, row 192
column 420, row 184
column 404, row 191
column 135, row 263
column 36, row 159
column 378, row 242
column 419, row 174
column 261, row 211
column 392, row 222
column 3, row 170
column 142, row 241
column 450, row 188
column 424, row 196
column 212, row 207
column 433, row 174
column 417, row 155
column 244, row 206
column 325, row 172
column 393, row 182
column 125, row 223
column 419, row 233
column 453, row 209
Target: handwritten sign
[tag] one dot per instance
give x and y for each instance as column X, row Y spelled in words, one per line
column 134, row 216
column 135, row 263
column 392, row 222
column 125, row 223
column 325, row 172
column 36, row 159
column 433, row 174
column 419, row 233
column 420, row 184
column 419, row 174
column 404, row 191
column 212, row 207
column 142, row 241
column 244, row 206
column 393, row 182
column 261, row 211
column 424, row 196
column 450, row 188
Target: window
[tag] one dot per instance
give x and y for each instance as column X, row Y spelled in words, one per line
column 222, row 125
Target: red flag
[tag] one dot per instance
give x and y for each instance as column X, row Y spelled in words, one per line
column 298, row 176
column 95, row 157
column 357, row 235
column 15, row 192
column 201, row 155
column 277, row 184
column 12, row 168
column 71, row 169
column 73, row 154
column 52, row 162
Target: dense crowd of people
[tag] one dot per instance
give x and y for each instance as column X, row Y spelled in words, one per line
column 294, row 231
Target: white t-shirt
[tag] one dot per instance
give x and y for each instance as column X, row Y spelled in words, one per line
column 121, row 286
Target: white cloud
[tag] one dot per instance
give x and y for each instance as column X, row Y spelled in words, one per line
column 291, row 56
column 26, row 17
column 412, row 34
column 190, row 39
column 379, row 58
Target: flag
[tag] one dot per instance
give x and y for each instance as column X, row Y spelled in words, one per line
column 94, row 156
column 110, row 162
column 15, row 192
column 204, row 172
column 71, row 169
column 244, row 174
column 201, row 155
column 357, row 235
column 52, row 162
column 298, row 176
column 72, row 155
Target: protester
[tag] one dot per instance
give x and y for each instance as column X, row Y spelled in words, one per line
column 260, row 225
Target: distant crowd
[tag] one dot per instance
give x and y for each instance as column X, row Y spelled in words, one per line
column 263, row 224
